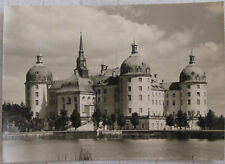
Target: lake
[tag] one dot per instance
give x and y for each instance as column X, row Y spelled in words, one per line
column 105, row 149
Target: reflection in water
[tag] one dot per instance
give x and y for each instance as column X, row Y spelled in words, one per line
column 128, row 149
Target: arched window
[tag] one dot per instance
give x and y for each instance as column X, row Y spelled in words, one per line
column 83, row 98
column 89, row 100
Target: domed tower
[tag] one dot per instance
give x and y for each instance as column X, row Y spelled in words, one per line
column 38, row 80
column 193, row 87
column 135, row 84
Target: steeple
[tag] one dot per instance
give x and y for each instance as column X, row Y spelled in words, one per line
column 81, row 61
column 39, row 58
column 81, row 51
column 192, row 58
column 134, row 48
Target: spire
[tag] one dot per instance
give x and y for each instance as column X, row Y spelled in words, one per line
column 134, row 48
column 39, row 58
column 81, row 51
column 192, row 58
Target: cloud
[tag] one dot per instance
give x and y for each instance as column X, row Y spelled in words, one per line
column 215, row 8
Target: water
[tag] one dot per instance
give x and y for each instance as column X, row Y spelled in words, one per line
column 127, row 149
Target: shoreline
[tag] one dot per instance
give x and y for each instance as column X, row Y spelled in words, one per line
column 118, row 134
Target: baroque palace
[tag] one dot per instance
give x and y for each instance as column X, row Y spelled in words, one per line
column 125, row 90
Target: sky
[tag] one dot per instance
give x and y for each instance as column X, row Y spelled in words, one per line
column 165, row 34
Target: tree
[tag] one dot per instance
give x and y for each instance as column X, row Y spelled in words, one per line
column 210, row 119
column 179, row 119
column 134, row 119
column 62, row 121
column 121, row 121
column 112, row 120
column 219, row 123
column 201, row 122
column 170, row 121
column 96, row 117
column 185, row 121
column 75, row 119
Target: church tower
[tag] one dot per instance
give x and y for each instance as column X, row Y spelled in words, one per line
column 81, row 61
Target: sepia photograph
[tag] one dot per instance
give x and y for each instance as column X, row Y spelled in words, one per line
column 113, row 82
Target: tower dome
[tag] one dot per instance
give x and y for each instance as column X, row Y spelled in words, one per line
column 134, row 64
column 192, row 73
column 39, row 73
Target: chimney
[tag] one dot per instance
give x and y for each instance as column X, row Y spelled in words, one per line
column 103, row 69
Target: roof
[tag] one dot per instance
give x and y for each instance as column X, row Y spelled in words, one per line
column 171, row 86
column 39, row 73
column 109, row 72
column 133, row 65
column 105, row 80
column 75, row 83
column 56, row 84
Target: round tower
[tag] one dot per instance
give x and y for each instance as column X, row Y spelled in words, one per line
column 38, row 80
column 193, row 89
column 135, row 85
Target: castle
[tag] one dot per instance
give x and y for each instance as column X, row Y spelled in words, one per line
column 125, row 90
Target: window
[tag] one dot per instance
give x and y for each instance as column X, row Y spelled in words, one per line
column 129, row 88
column 189, row 102
column 130, row 110
column 99, row 91
column 140, row 88
column 159, row 102
column 153, row 102
column 153, row 94
column 198, row 94
column 140, row 79
column 189, row 94
column 174, row 102
column 148, row 79
column 36, row 86
column 99, row 100
column 167, row 102
column 129, row 97
column 140, row 110
column 83, row 98
column 36, row 102
column 156, row 102
column 143, row 125
column 129, row 79
column 167, row 95
column 188, row 86
column 68, row 100
column 105, row 91
column 174, row 94
column 140, row 97
column 36, row 94
column 198, row 86
column 105, row 99
column 148, row 97
column 75, row 99
column 63, row 100
column 148, row 88
column 198, row 101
